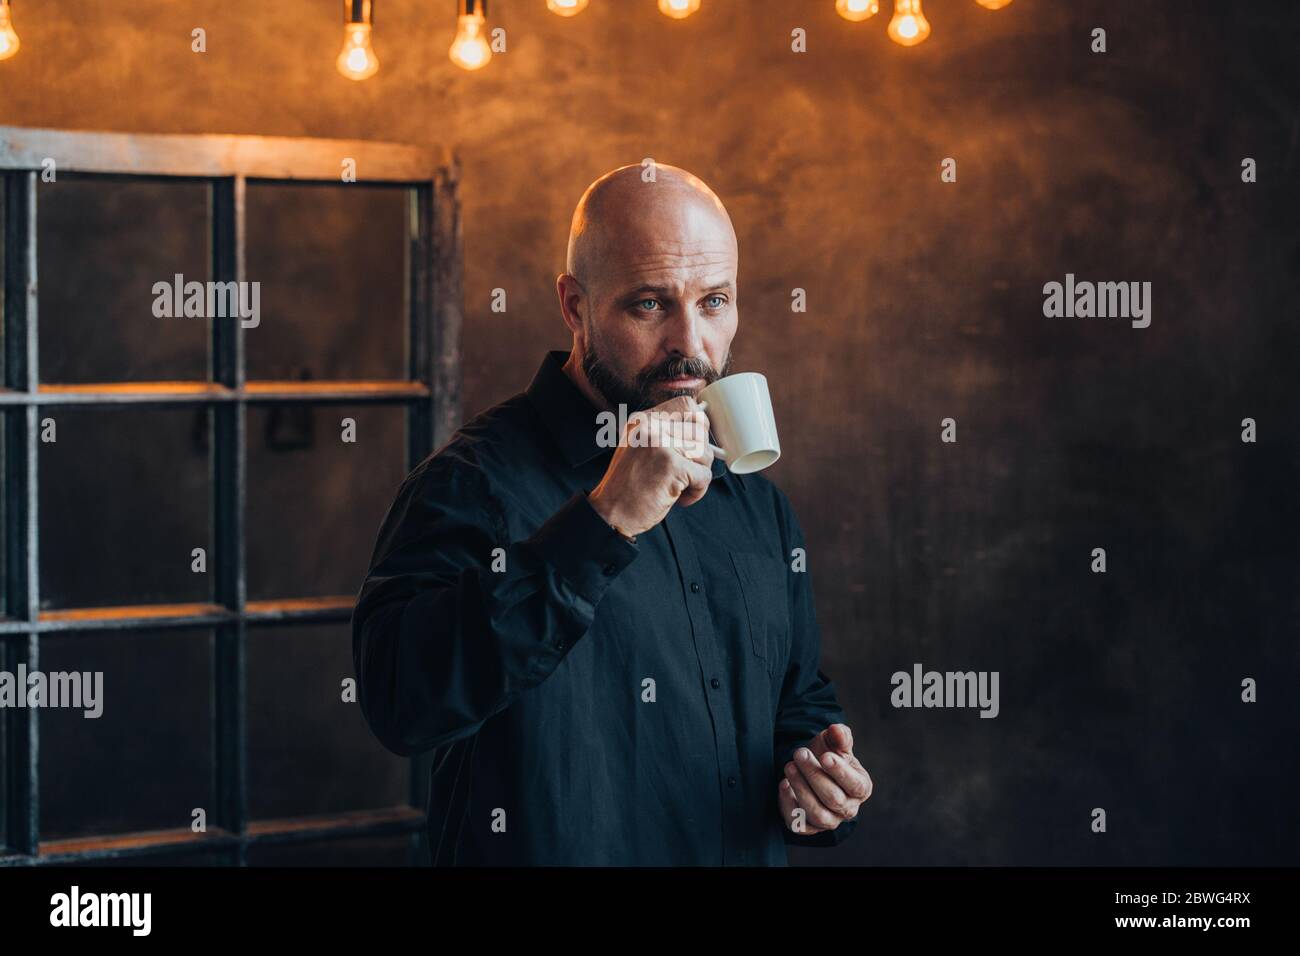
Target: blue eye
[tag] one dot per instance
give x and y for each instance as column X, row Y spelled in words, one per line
column 642, row 302
column 721, row 303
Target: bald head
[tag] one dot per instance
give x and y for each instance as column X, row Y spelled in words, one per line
column 621, row 210
column 649, row 289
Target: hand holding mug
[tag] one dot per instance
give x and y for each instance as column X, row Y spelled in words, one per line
column 664, row 459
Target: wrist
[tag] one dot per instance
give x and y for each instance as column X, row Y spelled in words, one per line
column 610, row 516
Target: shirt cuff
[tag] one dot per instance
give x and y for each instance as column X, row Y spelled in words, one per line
column 586, row 551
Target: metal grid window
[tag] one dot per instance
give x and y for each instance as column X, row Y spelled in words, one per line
column 429, row 396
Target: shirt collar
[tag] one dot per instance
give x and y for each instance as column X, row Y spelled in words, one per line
column 570, row 416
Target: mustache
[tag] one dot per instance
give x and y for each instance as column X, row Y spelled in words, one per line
column 679, row 367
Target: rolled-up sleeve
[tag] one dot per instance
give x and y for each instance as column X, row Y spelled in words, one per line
column 454, row 620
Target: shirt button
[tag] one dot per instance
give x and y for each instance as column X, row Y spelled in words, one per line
column 695, row 588
column 715, row 683
column 731, row 781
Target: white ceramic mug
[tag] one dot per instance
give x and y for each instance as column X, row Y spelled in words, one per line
column 740, row 416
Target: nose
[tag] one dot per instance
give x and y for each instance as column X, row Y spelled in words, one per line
column 684, row 334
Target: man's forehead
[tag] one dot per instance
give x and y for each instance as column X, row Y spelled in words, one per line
column 671, row 281
column 672, row 258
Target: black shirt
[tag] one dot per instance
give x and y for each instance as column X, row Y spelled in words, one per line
column 590, row 700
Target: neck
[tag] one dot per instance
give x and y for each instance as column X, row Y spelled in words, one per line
column 573, row 369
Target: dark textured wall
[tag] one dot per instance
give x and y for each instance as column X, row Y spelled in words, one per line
column 1119, row 690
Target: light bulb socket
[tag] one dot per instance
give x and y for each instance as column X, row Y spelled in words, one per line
column 359, row 11
column 471, row 8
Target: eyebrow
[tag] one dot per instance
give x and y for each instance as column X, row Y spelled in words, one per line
column 667, row 293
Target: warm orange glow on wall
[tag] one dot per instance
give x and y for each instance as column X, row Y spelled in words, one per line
column 857, row 10
column 993, row 4
column 678, row 9
column 909, row 26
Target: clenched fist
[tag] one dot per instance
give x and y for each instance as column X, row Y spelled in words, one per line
column 663, row 459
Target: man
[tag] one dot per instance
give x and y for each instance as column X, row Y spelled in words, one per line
column 613, row 651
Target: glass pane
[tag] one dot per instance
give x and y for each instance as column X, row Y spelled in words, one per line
column 8, row 417
column 315, row 501
column 123, row 504
column 309, row 751
column 3, row 232
column 8, row 657
column 102, row 244
column 330, row 261
column 144, row 762
column 5, row 731
column 358, row 851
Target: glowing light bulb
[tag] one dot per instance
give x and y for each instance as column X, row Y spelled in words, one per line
column 8, row 38
column 678, row 9
column 470, row 49
column 357, row 60
column 909, row 26
column 857, row 10
column 566, row 8
column 993, row 4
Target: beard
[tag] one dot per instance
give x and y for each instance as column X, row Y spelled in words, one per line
column 640, row 393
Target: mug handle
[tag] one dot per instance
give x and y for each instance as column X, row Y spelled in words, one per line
column 718, row 452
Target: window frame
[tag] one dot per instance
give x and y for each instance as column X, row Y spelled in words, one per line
column 430, row 396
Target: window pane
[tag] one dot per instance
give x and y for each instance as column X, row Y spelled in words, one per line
column 309, row 751
column 102, row 244
column 359, row 851
column 8, row 657
column 123, row 504
column 315, row 501
column 8, row 417
column 144, row 763
column 5, row 730
column 330, row 261
column 3, row 232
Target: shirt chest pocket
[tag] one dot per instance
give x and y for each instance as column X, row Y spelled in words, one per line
column 763, row 583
